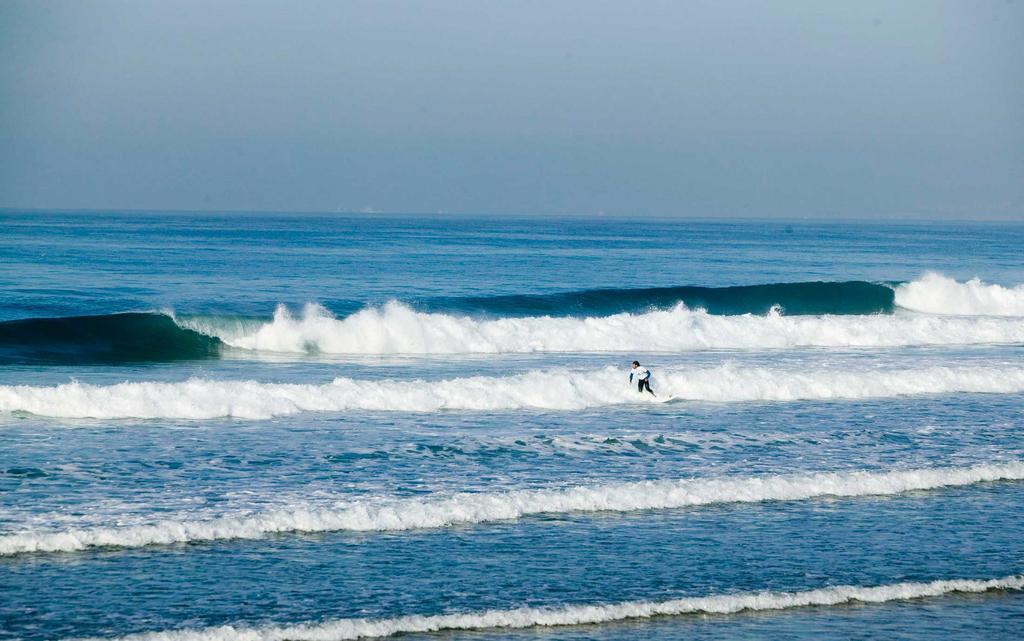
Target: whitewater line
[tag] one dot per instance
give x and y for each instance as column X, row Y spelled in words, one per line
column 556, row 389
column 395, row 328
column 473, row 508
column 569, row 615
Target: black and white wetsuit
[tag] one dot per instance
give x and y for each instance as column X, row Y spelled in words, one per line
column 643, row 379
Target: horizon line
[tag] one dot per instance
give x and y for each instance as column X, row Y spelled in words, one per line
column 902, row 217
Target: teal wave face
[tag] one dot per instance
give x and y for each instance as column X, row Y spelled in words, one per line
column 140, row 337
column 850, row 297
column 111, row 338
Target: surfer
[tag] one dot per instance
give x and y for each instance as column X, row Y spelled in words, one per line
column 643, row 378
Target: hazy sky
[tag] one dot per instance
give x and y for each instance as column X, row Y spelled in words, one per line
column 716, row 108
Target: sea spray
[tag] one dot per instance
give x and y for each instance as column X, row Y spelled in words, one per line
column 396, row 328
column 936, row 294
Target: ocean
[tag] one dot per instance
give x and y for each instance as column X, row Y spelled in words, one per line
column 267, row 427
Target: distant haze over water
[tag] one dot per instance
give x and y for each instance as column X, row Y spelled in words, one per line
column 800, row 109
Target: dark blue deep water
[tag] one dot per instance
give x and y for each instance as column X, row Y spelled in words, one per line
column 228, row 425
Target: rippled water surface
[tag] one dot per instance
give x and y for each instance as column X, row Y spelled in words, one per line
column 408, row 424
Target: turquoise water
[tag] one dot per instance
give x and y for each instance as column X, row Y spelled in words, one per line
column 365, row 425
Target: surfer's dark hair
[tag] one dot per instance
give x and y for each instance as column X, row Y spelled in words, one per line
column 636, row 362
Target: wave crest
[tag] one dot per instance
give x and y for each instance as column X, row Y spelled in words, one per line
column 674, row 319
column 816, row 297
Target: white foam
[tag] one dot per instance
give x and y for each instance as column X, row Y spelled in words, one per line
column 397, row 329
column 469, row 508
column 556, row 389
column 567, row 615
column 936, row 294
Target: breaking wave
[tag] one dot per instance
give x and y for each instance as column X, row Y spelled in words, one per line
column 539, row 389
column 671, row 319
column 937, row 294
column 470, row 508
column 398, row 329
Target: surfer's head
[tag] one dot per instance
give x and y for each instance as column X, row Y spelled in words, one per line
column 636, row 363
